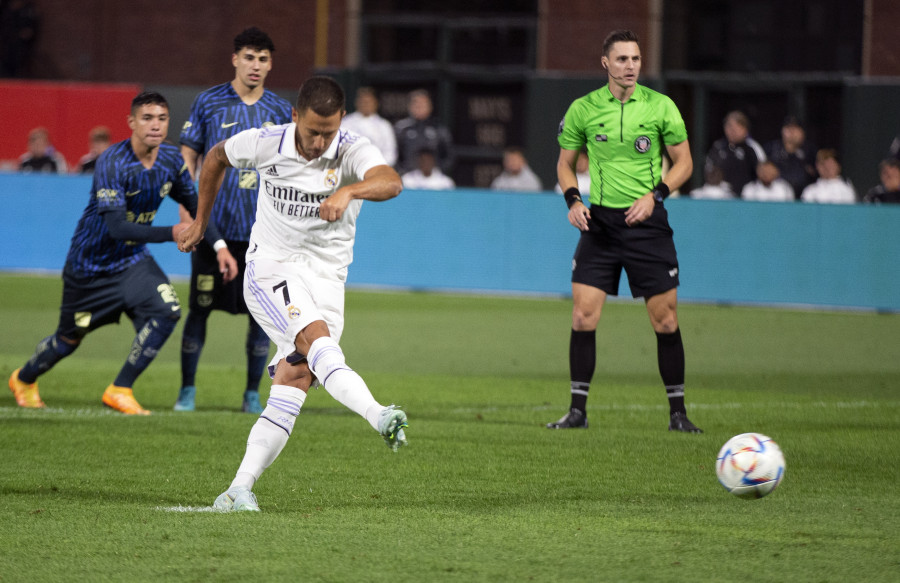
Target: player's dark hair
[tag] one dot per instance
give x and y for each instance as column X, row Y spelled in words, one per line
column 619, row 36
column 148, row 98
column 253, row 38
column 322, row 95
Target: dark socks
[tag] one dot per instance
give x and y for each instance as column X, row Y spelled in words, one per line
column 257, row 354
column 670, row 354
column 48, row 352
column 582, row 361
column 192, row 339
column 150, row 338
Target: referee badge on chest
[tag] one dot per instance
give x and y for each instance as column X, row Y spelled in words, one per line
column 642, row 144
column 331, row 178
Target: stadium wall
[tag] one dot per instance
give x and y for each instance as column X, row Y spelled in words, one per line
column 500, row 242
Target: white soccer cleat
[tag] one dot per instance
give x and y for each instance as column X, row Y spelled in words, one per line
column 236, row 500
column 391, row 423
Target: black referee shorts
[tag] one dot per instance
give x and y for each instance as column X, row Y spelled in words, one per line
column 142, row 292
column 207, row 290
column 646, row 252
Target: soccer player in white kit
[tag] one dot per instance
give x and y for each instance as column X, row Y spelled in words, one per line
column 313, row 179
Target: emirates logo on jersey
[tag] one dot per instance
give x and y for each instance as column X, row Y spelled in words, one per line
column 331, row 178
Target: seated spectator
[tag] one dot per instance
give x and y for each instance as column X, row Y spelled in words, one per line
column 41, row 155
column 516, row 175
column 888, row 192
column 365, row 121
column 98, row 142
column 715, row 187
column 582, row 174
column 737, row 154
column 830, row 187
column 421, row 131
column 794, row 155
column 768, row 186
column 427, row 176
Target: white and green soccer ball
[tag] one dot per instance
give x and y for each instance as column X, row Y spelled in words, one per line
column 750, row 465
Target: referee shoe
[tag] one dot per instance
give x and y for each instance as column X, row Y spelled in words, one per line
column 574, row 419
column 679, row 422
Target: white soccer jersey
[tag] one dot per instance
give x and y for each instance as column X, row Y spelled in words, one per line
column 291, row 188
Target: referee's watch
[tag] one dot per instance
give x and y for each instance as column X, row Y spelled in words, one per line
column 660, row 192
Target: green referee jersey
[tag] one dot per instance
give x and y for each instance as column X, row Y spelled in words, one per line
column 625, row 141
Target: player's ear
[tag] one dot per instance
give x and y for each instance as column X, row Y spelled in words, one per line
column 604, row 63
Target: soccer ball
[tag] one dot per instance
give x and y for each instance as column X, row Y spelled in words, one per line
column 750, row 465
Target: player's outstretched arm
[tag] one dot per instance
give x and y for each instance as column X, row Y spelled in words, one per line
column 380, row 183
column 214, row 165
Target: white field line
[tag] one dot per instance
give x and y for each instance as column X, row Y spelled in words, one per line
column 186, row 509
column 87, row 413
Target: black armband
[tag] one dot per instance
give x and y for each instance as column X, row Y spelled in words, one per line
column 572, row 195
column 660, row 192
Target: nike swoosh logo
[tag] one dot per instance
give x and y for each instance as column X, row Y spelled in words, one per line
column 132, row 193
column 228, row 125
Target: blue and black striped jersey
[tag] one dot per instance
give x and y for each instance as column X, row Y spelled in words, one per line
column 122, row 183
column 217, row 114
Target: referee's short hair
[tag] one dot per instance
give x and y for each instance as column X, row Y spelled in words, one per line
column 323, row 95
column 619, row 36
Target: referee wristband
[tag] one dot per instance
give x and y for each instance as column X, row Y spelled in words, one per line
column 572, row 195
column 219, row 245
column 660, row 192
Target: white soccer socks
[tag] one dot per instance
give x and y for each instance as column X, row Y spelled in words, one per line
column 326, row 361
column 269, row 434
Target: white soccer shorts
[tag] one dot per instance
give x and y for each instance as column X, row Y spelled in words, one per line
column 285, row 298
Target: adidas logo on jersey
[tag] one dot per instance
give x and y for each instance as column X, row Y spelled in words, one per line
column 271, row 171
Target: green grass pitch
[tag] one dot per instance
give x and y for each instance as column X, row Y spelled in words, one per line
column 484, row 492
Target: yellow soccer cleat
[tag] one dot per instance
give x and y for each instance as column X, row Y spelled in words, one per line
column 122, row 399
column 26, row 394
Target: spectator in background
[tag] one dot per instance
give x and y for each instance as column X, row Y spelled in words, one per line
column 18, row 31
column 830, row 187
column 737, row 154
column 715, row 187
column 422, row 131
column 427, row 176
column 794, row 155
column 41, row 155
column 768, row 186
column 366, row 122
column 98, row 142
column 894, row 150
column 888, row 192
column 516, row 175
column 582, row 174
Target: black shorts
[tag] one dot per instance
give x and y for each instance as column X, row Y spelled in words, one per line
column 142, row 292
column 646, row 252
column 207, row 290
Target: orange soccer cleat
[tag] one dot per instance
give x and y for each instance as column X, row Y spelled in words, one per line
column 26, row 394
column 122, row 399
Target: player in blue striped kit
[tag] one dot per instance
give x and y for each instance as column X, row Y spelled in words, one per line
column 217, row 114
column 109, row 269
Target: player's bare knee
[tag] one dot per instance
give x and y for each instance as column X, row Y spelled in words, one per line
column 296, row 375
column 585, row 318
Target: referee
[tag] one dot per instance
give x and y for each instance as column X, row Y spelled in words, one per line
column 626, row 128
